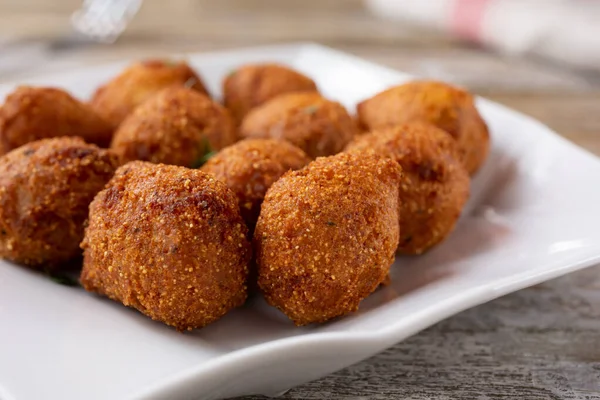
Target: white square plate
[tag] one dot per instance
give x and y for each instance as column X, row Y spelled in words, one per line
column 532, row 216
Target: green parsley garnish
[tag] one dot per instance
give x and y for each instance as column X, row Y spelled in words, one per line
column 64, row 280
column 202, row 160
column 311, row 109
column 190, row 83
column 170, row 62
column 206, row 152
column 232, row 73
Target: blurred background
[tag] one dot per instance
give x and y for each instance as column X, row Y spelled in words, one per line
column 539, row 56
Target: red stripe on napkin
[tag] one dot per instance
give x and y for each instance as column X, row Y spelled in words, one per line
column 466, row 17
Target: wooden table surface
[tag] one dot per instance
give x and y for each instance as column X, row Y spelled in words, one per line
column 539, row 343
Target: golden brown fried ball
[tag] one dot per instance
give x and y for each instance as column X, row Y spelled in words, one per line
column 178, row 126
column 252, row 85
column 318, row 126
column 434, row 186
column 33, row 113
column 327, row 235
column 251, row 166
column 46, row 187
column 448, row 107
column 168, row 241
column 140, row 81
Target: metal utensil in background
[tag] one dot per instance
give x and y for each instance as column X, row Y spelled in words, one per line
column 104, row 20
column 97, row 21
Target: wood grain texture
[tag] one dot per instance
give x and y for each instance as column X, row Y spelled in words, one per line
column 539, row 343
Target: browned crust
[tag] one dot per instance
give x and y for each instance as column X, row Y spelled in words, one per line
column 251, row 166
column 318, row 126
column 33, row 113
column 137, row 83
column 177, row 126
column 449, row 108
column 434, row 186
column 327, row 235
column 252, row 85
column 168, row 241
column 45, row 189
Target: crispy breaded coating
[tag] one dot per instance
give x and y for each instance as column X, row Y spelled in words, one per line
column 33, row 113
column 46, row 187
column 116, row 99
column 327, row 235
column 168, row 241
column 178, row 126
column 318, row 126
column 251, row 166
column 447, row 107
column 434, row 186
column 252, row 85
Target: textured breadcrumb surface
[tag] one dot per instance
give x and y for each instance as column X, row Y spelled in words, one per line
column 168, row 241
column 34, row 113
column 251, row 166
column 178, row 126
column 46, row 187
column 327, row 235
column 252, row 85
column 434, row 186
column 445, row 106
column 318, row 126
column 117, row 98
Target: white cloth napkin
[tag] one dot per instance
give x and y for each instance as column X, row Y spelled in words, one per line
column 567, row 31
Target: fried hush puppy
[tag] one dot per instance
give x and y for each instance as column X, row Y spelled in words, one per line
column 46, row 187
column 250, row 167
column 318, row 126
column 434, row 186
column 447, row 107
column 178, row 126
column 327, row 234
column 137, row 83
column 252, row 85
column 168, row 241
column 33, row 113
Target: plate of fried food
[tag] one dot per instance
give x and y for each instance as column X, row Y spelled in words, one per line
column 241, row 222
